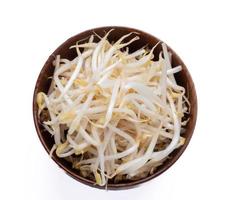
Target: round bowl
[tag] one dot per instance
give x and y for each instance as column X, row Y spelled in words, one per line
column 183, row 78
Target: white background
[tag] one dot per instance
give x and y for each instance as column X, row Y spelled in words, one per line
column 31, row 30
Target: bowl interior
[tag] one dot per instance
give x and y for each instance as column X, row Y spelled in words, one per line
column 183, row 78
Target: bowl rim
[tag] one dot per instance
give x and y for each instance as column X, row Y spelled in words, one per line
column 131, row 184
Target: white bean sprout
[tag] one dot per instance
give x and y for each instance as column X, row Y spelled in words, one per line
column 116, row 115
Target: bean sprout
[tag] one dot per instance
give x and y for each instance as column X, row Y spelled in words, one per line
column 116, row 114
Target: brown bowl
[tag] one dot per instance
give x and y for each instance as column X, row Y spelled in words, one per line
column 183, row 78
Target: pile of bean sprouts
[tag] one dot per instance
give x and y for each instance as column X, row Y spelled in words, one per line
column 116, row 115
